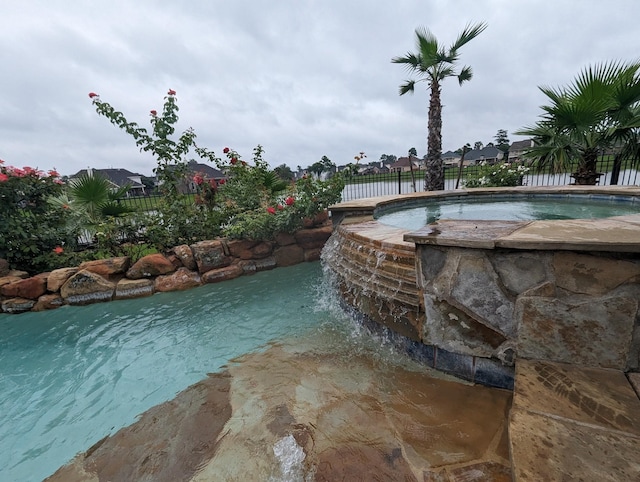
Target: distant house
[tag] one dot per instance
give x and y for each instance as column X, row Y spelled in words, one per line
column 450, row 158
column 118, row 178
column 489, row 154
column 517, row 148
column 205, row 170
column 404, row 164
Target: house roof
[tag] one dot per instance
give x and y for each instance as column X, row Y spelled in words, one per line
column 450, row 155
column 489, row 152
column 208, row 171
column 520, row 145
column 119, row 177
column 404, row 162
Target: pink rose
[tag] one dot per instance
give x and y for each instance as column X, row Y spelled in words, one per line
column 58, row 250
column 171, row 92
column 271, row 210
column 92, row 95
column 154, row 112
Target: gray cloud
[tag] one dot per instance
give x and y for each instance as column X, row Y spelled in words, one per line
column 303, row 78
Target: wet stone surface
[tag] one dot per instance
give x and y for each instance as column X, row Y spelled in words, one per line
column 298, row 414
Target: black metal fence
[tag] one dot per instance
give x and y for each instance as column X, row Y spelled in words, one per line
column 371, row 185
column 383, row 184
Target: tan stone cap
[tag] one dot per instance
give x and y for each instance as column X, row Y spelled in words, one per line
column 616, row 234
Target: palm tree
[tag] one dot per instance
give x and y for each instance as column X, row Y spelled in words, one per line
column 433, row 63
column 599, row 111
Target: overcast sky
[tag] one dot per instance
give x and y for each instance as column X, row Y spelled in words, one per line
column 303, row 78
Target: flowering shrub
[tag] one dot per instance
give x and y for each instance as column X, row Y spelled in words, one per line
column 497, row 175
column 251, row 202
column 33, row 234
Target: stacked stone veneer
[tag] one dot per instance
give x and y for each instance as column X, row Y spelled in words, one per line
column 184, row 267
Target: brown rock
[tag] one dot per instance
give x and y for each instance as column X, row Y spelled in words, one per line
column 261, row 250
column 16, row 273
column 133, row 288
column 241, row 248
column 5, row 280
column 58, row 277
column 182, row 279
column 210, row 255
column 86, row 287
column 314, row 237
column 48, row 302
column 150, row 265
column 312, row 254
column 288, row 255
column 29, row 288
column 185, row 255
column 285, row 239
column 17, row 305
column 222, row 274
column 107, row 267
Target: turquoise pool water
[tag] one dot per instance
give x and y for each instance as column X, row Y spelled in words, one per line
column 69, row 377
column 504, row 208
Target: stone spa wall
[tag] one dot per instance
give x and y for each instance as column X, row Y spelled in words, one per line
column 473, row 296
column 184, row 267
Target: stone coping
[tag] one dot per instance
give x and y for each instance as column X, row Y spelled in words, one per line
column 614, row 234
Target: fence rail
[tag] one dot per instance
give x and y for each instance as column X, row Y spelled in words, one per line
column 372, row 185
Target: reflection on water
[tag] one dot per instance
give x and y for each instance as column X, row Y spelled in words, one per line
column 506, row 210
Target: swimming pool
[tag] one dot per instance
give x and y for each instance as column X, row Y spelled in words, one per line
column 294, row 365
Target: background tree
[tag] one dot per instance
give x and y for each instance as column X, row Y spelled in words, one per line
column 284, row 172
column 477, row 145
column 388, row 158
column 600, row 110
column 413, row 152
column 323, row 165
column 502, row 143
column 433, row 63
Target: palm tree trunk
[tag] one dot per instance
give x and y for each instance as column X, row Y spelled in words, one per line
column 434, row 172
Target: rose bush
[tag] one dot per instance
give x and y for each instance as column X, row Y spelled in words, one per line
column 33, row 233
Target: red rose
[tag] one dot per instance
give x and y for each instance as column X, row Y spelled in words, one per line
column 154, row 112
column 171, row 92
column 289, row 201
column 92, row 95
column 53, row 173
column 271, row 210
column 58, row 250
column 198, row 179
column 234, row 161
column 225, row 150
column 3, row 177
column 212, row 183
column 280, row 207
column 222, row 181
column 244, row 163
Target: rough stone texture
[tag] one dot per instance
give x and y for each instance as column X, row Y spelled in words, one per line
column 241, row 248
column 520, row 272
column 577, row 329
column 593, row 275
column 151, row 265
column 476, row 288
column 313, row 254
column 133, row 288
column 48, row 302
column 107, row 267
column 265, row 264
column 17, row 305
column 314, row 237
column 261, row 250
column 285, row 239
column 182, row 279
column 29, row 288
column 573, row 423
column 222, row 274
column 86, row 287
column 210, row 255
column 288, row 255
column 9, row 279
column 58, row 277
column 185, row 255
column 4, row 267
column 16, row 273
column 634, row 378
